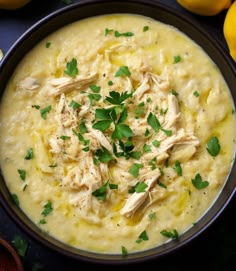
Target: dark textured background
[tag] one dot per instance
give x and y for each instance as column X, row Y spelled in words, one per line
column 215, row 249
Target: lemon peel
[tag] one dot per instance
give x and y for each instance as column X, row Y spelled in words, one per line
column 229, row 30
column 205, row 7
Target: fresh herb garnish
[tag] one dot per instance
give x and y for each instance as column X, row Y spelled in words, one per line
column 48, row 44
column 64, row 137
column 95, row 88
column 15, row 199
column 178, row 168
column 198, row 182
column 103, row 155
column 125, row 34
column 142, row 237
column 161, row 184
column 145, row 28
column 124, row 251
column 101, row 192
column 116, row 98
column 44, row 111
column 47, row 208
column 170, row 234
column 153, row 122
column 22, row 174
column 71, row 68
column 42, row 221
column 213, row 146
column 82, row 127
column 177, row 59
column 74, row 104
column 196, row 94
column 30, row 154
column 134, row 170
column 123, row 71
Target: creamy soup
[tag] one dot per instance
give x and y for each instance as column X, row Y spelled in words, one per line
column 116, row 137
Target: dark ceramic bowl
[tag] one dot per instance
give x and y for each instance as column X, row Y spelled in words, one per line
column 166, row 15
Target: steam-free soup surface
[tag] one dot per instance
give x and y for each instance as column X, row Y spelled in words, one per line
column 116, row 133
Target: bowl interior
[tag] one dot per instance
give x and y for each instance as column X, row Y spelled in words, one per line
column 161, row 13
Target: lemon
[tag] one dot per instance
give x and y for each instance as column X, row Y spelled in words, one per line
column 205, row 7
column 230, row 30
column 13, row 4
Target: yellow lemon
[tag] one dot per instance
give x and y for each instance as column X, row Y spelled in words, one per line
column 13, row 4
column 230, row 30
column 205, row 7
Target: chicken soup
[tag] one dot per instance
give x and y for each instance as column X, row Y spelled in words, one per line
column 116, row 137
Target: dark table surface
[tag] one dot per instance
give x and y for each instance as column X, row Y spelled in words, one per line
column 214, row 249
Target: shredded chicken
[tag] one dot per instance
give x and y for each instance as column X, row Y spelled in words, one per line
column 65, row 84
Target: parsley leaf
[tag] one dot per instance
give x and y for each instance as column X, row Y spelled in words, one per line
column 117, row 98
column 30, row 154
column 177, row 59
column 44, row 111
column 71, row 68
column 124, row 251
column 213, row 146
column 22, row 174
column 145, row 28
column 122, row 130
column 101, row 192
column 15, row 199
column 134, row 170
column 199, row 183
column 74, row 104
column 47, row 208
column 153, row 122
column 123, row 71
column 142, row 237
column 125, row 34
column 170, row 234
column 95, row 88
column 178, row 168
column 103, row 155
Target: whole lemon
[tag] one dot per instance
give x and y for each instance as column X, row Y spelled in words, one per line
column 13, row 4
column 230, row 30
column 205, row 7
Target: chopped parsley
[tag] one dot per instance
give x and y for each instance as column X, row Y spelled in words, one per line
column 198, row 182
column 74, row 104
column 177, row 59
column 71, row 68
column 124, row 251
column 142, row 237
column 178, row 168
column 47, row 208
column 213, row 146
column 15, row 199
column 101, row 193
column 134, row 170
column 196, row 93
column 103, row 155
column 95, row 88
column 44, row 111
column 30, row 154
column 48, row 44
column 145, row 28
column 117, row 34
column 22, row 174
column 123, row 71
column 170, row 234
column 153, row 122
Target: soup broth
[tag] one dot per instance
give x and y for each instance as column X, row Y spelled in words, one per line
column 116, row 137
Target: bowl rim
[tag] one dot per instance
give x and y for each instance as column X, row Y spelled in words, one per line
column 16, row 213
